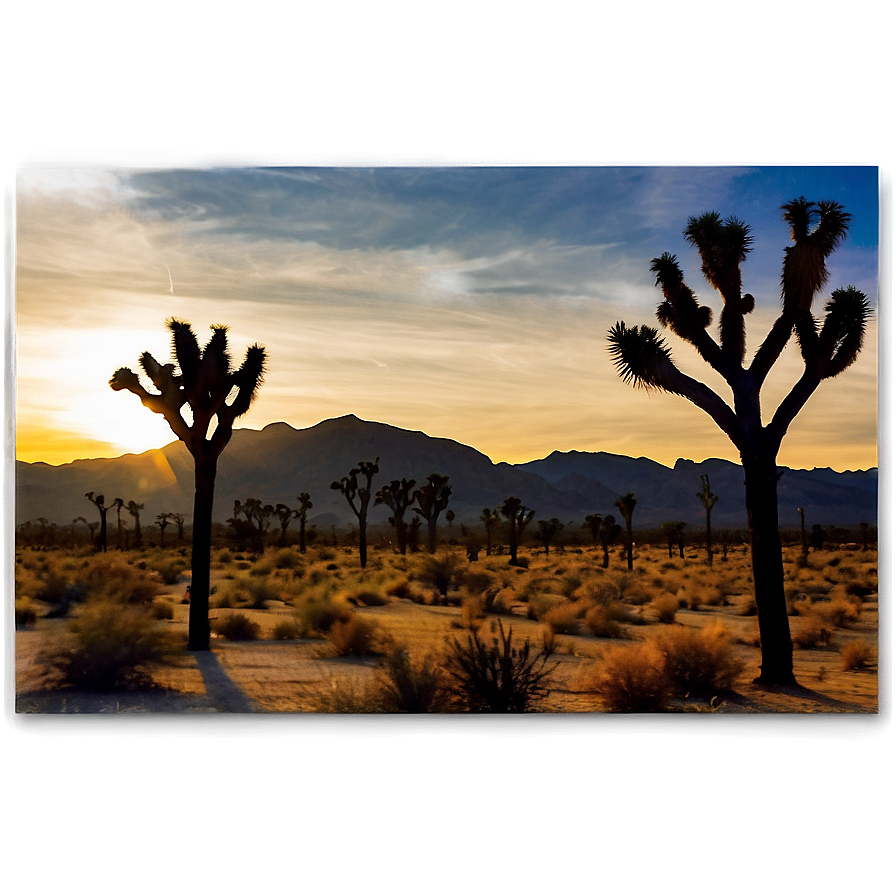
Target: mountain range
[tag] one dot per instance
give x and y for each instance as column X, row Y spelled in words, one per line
column 277, row 463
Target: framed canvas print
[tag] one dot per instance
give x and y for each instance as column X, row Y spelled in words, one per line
column 446, row 440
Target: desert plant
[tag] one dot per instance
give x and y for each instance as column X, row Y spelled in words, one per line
column 162, row 609
column 99, row 503
column 108, row 645
column 604, row 621
column 643, row 359
column 398, row 497
column 564, row 618
column 287, row 630
column 404, row 685
column 491, row 519
column 350, row 488
column 25, row 612
column 431, row 499
column 518, row 516
column 440, row 572
column 548, row 530
column 699, row 661
column 355, row 636
column 608, row 535
column 498, row 677
column 857, row 654
column 205, row 382
column 631, row 679
column 626, row 505
column 319, row 614
column 708, row 500
column 812, row 632
column 237, row 627
column 666, row 607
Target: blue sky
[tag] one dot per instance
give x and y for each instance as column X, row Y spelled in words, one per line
column 471, row 302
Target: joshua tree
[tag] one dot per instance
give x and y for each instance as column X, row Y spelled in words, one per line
column 398, row 497
column 804, row 541
column 118, row 504
column 673, row 530
column 178, row 519
column 592, row 524
column 610, row 531
column 518, row 518
column 491, row 518
column 413, row 534
column 708, row 500
column 349, row 487
column 259, row 516
column 643, row 359
column 864, row 528
column 213, row 390
column 99, row 502
column 432, row 499
column 134, row 510
column 162, row 521
column 548, row 530
column 302, row 513
column 626, row 505
column 284, row 514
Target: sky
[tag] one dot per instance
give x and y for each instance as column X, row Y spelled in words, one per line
column 468, row 302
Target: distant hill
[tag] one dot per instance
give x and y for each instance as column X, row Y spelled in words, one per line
column 278, row 462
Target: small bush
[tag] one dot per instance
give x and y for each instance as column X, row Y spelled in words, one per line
column 666, row 608
column 400, row 589
column 497, row 677
column 699, row 661
column 367, row 598
column 319, row 614
column 477, row 581
column 162, row 609
column 237, row 627
column 355, row 636
column 169, row 570
column 857, row 654
column 287, row 630
column 563, row 619
column 26, row 614
column 108, row 646
column 604, row 621
column 811, row 633
column 631, row 679
column 412, row 687
column 440, row 572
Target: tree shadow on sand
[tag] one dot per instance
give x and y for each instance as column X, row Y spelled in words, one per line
column 219, row 686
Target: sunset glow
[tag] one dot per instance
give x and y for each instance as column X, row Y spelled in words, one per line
column 468, row 303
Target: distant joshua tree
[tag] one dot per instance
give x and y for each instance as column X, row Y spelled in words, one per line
column 305, row 505
column 804, row 540
column 99, row 502
column 398, row 497
column 610, row 531
column 432, row 499
column 492, row 519
column 643, row 359
column 592, row 524
column 626, row 505
column 284, row 514
column 548, row 530
column 215, row 392
column 134, row 510
column 118, row 504
column 162, row 521
column 413, row 534
column 708, row 500
column 673, row 530
column 178, row 519
column 349, row 487
column 518, row 517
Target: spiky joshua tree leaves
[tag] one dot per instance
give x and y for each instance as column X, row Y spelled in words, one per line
column 828, row 347
column 204, row 381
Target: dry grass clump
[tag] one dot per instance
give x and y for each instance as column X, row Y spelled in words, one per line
column 289, row 629
column 811, row 632
column 666, row 607
column 699, row 661
column 402, row 685
column 25, row 612
column 318, row 614
column 237, row 627
column 857, row 654
column 109, row 645
column 631, row 679
column 356, row 636
column 563, row 619
column 841, row 612
column 605, row 620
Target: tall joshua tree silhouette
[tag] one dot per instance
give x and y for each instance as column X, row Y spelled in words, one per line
column 349, row 487
column 305, row 505
column 398, row 497
column 118, row 504
column 205, row 381
column 708, row 500
column 608, row 534
column 134, row 510
column 518, row 517
column 432, row 499
column 100, row 503
column 163, row 520
column 643, row 359
column 626, row 505
column 491, row 518
column 284, row 514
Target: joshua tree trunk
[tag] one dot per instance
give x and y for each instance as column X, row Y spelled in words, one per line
column 761, row 479
column 206, row 469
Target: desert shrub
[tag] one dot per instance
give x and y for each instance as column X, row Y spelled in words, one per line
column 538, row 606
column 25, row 612
column 400, row 589
column 570, row 584
column 477, row 581
column 699, row 661
column 237, row 627
column 345, row 697
column 548, row 641
column 471, row 612
column 367, row 598
column 254, row 593
column 563, row 619
column 286, row 558
column 225, row 557
column 604, row 620
column 319, row 614
column 162, row 609
column 107, row 646
column 287, row 630
column 840, row 612
column 811, row 632
column 440, row 571
column 355, row 636
column 666, row 607
column 497, row 677
column 403, row 685
column 631, row 679
column 168, row 570
column 857, row 654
